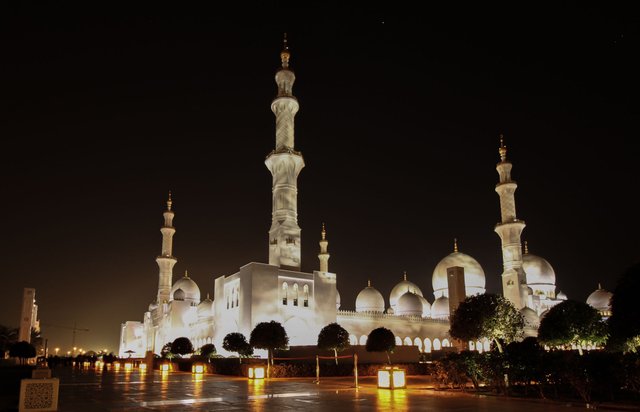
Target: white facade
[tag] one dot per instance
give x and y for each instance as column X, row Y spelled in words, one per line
column 306, row 302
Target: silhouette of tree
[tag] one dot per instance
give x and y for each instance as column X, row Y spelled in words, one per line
column 23, row 350
column 333, row 337
column 236, row 342
column 181, row 346
column 624, row 322
column 381, row 340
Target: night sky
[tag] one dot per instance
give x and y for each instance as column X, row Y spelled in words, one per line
column 105, row 111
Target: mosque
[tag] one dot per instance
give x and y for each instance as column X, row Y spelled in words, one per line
column 306, row 302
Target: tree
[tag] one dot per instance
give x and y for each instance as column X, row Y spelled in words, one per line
column 8, row 336
column 269, row 336
column 165, row 352
column 624, row 322
column 486, row 316
column 381, row 340
column 236, row 342
column 572, row 323
column 23, row 350
column 181, row 346
column 208, row 350
column 334, row 337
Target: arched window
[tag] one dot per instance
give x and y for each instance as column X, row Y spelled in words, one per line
column 285, row 293
column 398, row 341
column 479, row 346
column 436, row 344
column 363, row 339
column 407, row 341
column 472, row 345
column 417, row 342
column 306, row 296
column 487, row 345
column 237, row 297
column 353, row 340
column 295, row 294
column 445, row 343
column 228, row 300
column 427, row 345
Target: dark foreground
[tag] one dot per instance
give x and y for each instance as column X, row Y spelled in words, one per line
column 87, row 390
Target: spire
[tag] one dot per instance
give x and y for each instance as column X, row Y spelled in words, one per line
column 324, row 232
column 526, row 247
column 455, row 245
column 186, row 274
column 404, row 275
column 169, row 201
column 369, row 283
column 503, row 149
column 284, row 54
column 599, row 286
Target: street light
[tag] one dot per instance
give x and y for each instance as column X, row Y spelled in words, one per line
column 57, row 349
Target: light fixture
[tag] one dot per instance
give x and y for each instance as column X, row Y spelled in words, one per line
column 197, row 368
column 392, row 378
column 256, row 372
column 128, row 366
column 142, row 367
column 164, row 367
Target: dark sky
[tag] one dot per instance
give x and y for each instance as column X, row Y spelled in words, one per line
column 104, row 111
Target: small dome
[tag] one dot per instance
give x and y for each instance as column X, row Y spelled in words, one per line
column 474, row 279
column 178, row 294
column 206, row 308
column 600, row 299
column 531, row 319
column 189, row 288
column 561, row 296
column 440, row 308
column 337, row 299
column 400, row 289
column 369, row 300
column 426, row 307
column 538, row 270
column 409, row 304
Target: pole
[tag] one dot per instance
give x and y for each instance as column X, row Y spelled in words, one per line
column 355, row 369
column 317, row 370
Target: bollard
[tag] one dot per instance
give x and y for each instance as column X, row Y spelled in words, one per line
column 355, row 369
column 317, row 370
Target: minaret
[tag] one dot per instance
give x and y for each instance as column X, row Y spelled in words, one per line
column 285, row 164
column 166, row 261
column 509, row 230
column 324, row 255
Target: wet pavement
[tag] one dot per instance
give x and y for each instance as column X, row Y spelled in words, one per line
column 88, row 390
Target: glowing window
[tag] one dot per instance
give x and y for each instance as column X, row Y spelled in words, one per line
column 398, row 341
column 285, row 292
column 472, row 345
column 417, row 342
column 445, row 343
column 407, row 341
column 353, row 340
column 363, row 339
column 436, row 344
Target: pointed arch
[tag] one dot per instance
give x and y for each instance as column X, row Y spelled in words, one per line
column 285, row 293
column 427, row 345
column 436, row 344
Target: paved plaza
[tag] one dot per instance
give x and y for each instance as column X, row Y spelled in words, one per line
column 87, row 390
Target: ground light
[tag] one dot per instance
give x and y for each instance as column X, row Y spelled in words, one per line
column 116, row 365
column 197, row 368
column 143, row 367
column 256, row 373
column 164, row 367
column 128, row 366
column 392, row 378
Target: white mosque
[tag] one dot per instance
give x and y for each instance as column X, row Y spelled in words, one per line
column 306, row 302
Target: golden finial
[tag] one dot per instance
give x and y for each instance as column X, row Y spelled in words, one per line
column 599, row 286
column 404, row 275
column 369, row 283
column 503, row 149
column 186, row 274
column 169, row 201
column 208, row 296
column 284, row 54
column 526, row 247
column 324, row 232
column 455, row 245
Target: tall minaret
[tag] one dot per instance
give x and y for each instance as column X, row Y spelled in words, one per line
column 285, row 164
column 324, row 255
column 166, row 261
column 509, row 230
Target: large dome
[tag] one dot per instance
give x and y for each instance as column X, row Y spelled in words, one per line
column 440, row 308
column 474, row 279
column 539, row 271
column 600, row 299
column 189, row 287
column 400, row 289
column 530, row 317
column 369, row 300
column 409, row 304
